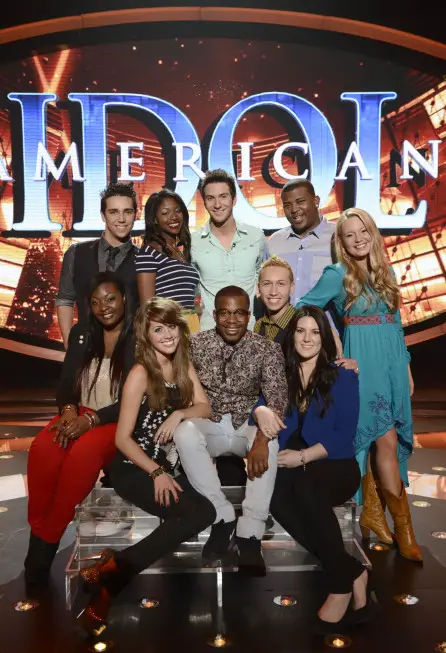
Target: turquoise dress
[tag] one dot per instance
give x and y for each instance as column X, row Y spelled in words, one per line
column 383, row 362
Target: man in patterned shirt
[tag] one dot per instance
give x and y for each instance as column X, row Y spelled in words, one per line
column 234, row 366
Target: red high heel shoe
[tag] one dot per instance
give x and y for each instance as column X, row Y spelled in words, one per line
column 94, row 618
column 93, row 576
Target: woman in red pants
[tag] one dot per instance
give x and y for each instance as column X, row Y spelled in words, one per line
column 67, row 455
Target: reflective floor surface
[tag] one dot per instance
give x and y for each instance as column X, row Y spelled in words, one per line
column 188, row 614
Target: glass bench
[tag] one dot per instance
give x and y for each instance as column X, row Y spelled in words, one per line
column 280, row 551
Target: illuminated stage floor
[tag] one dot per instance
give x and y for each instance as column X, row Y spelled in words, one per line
column 186, row 616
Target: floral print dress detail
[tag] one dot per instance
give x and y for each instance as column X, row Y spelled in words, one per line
column 147, row 425
column 376, row 342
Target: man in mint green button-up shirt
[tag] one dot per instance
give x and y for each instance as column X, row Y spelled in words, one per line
column 225, row 252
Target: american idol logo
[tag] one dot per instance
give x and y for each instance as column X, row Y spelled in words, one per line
column 87, row 155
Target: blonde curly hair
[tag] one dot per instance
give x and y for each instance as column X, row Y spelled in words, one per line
column 378, row 278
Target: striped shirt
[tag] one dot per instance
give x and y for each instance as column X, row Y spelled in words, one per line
column 275, row 330
column 174, row 279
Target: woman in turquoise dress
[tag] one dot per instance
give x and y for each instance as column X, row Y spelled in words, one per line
column 363, row 288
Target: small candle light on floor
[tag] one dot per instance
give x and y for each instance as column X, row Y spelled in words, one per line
column 379, row 546
column 26, row 606
column 149, row 603
column 338, row 641
column 100, row 647
column 406, row 599
column 219, row 641
column 284, row 600
column 440, row 535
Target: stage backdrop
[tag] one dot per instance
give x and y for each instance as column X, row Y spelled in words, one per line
column 367, row 132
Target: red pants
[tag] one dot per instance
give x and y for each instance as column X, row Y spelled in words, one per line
column 60, row 479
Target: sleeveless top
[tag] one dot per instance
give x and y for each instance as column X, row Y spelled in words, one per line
column 100, row 396
column 148, row 423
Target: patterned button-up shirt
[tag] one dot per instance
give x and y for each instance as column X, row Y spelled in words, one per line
column 233, row 376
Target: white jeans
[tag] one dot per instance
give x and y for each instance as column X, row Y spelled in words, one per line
column 200, row 440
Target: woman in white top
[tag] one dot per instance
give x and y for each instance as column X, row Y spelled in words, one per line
column 67, row 455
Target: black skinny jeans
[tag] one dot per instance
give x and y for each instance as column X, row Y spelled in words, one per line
column 192, row 514
column 303, row 504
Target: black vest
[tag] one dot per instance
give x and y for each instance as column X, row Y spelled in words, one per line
column 86, row 266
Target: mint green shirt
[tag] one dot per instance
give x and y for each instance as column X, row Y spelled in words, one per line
column 218, row 268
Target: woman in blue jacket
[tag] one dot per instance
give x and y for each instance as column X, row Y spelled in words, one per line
column 317, row 465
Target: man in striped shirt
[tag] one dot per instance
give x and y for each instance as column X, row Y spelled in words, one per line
column 275, row 287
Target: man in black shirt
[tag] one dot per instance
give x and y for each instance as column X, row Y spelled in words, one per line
column 113, row 251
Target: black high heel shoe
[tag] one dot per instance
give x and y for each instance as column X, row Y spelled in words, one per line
column 324, row 628
column 367, row 612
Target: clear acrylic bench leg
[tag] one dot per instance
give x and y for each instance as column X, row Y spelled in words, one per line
column 280, row 551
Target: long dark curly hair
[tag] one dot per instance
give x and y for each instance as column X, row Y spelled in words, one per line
column 325, row 372
column 154, row 234
column 94, row 337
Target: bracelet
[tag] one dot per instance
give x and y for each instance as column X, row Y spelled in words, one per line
column 69, row 407
column 91, row 419
column 302, row 458
column 157, row 472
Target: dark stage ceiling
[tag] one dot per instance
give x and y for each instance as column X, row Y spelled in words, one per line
column 422, row 18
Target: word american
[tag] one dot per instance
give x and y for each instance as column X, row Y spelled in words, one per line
column 319, row 147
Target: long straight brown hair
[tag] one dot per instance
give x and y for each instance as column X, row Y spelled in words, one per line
column 164, row 311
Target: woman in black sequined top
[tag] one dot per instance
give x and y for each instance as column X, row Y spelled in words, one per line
column 162, row 390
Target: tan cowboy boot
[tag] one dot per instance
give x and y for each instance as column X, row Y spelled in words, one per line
column 402, row 522
column 372, row 516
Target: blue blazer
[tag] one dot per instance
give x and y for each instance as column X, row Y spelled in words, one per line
column 337, row 429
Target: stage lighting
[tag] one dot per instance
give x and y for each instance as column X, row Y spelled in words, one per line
column 379, row 546
column 338, row 641
column 149, row 603
column 440, row 535
column 406, row 599
column 219, row 641
column 285, row 600
column 421, row 504
column 26, row 606
column 100, row 647
column 3, row 509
